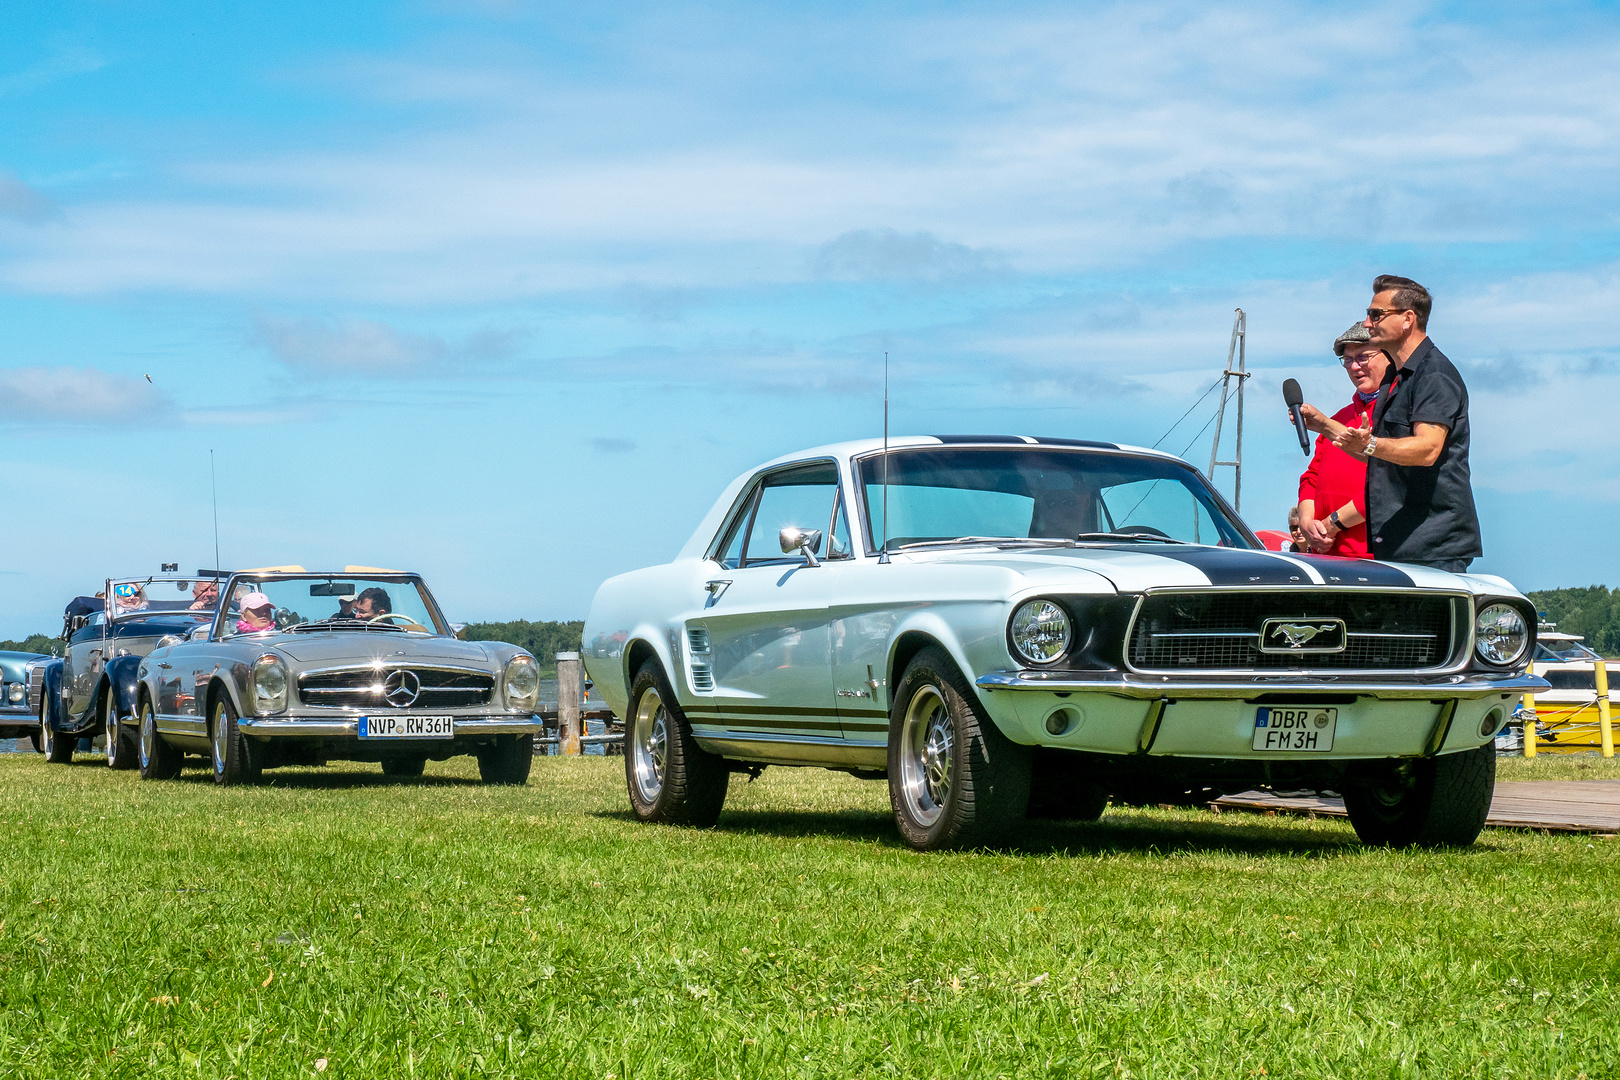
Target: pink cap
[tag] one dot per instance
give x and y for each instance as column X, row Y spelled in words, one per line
column 255, row 600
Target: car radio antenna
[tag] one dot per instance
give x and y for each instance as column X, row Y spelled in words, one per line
column 213, row 487
column 883, row 552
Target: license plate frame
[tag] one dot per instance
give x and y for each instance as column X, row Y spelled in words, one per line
column 407, row 727
column 1294, row 729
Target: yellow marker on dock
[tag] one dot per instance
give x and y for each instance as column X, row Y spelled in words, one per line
column 1605, row 732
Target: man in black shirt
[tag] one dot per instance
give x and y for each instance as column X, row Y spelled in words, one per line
column 1420, row 504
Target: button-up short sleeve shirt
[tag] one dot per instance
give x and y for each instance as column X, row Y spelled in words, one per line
column 1423, row 513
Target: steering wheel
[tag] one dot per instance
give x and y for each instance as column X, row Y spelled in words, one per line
column 390, row 615
column 1142, row 530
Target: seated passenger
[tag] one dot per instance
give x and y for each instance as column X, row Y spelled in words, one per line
column 128, row 599
column 370, row 604
column 258, row 614
column 205, row 595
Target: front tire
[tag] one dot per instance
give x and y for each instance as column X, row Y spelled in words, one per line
column 672, row 780
column 235, row 760
column 1432, row 802
column 158, row 760
column 506, row 761
column 121, row 749
column 57, row 750
column 955, row 781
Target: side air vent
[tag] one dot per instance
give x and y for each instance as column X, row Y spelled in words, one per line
column 697, row 637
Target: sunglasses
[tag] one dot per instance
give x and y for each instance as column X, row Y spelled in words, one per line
column 1380, row 314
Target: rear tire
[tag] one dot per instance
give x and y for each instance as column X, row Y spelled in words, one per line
column 955, row 781
column 1431, row 802
column 235, row 757
column 58, row 750
column 158, row 760
column 121, row 749
column 671, row 779
column 506, row 761
column 404, row 768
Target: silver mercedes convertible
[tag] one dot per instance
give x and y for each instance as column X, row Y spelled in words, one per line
column 1004, row 626
column 297, row 668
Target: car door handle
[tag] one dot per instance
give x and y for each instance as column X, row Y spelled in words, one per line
column 716, row 587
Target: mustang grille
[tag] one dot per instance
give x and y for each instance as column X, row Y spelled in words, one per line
column 1221, row 630
column 440, row 688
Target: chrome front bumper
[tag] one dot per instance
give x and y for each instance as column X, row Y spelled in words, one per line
column 1120, row 684
column 339, row 727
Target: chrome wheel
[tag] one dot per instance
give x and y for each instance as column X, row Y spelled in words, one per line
column 112, row 732
column 218, row 738
column 148, row 738
column 650, row 745
column 927, row 755
column 47, row 738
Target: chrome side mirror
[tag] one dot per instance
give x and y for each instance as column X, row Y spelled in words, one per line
column 804, row 542
column 457, row 629
column 198, row 633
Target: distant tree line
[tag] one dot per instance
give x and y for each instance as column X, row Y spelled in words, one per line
column 34, row 643
column 544, row 639
column 1592, row 612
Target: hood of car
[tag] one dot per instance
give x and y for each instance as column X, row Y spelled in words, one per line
column 366, row 645
column 1131, row 567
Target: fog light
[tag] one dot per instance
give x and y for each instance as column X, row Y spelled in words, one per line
column 1492, row 724
column 1063, row 719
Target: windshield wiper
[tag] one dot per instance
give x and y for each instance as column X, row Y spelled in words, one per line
column 1132, row 537
column 961, row 540
column 320, row 625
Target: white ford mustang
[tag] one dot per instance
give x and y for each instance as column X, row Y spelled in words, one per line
column 1003, row 626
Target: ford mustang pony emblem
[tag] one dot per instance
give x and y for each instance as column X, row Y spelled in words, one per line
column 1304, row 635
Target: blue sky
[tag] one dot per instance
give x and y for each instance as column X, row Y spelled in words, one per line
column 506, row 293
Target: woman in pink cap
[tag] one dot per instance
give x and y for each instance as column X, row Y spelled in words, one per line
column 258, row 614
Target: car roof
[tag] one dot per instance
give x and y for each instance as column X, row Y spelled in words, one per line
column 857, row 447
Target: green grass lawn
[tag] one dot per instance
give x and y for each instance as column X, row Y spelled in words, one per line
column 335, row 922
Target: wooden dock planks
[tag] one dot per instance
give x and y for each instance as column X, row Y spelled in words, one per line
column 1589, row 806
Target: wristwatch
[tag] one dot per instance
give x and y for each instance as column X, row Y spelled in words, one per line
column 1333, row 519
column 1372, row 444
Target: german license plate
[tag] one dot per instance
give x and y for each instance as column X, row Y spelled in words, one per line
column 407, row 727
column 1295, row 729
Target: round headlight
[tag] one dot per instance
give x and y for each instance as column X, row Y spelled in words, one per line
column 269, row 684
column 522, row 682
column 1040, row 631
column 15, row 692
column 1500, row 635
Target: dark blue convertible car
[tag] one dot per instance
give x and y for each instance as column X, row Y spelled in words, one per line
column 92, row 688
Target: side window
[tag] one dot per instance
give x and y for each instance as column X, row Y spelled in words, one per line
column 730, row 555
column 838, row 536
column 801, row 497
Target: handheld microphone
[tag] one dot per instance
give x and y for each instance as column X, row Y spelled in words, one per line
column 1293, row 398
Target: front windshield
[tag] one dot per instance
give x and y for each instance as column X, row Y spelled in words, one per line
column 1041, row 493
column 338, row 602
column 141, row 597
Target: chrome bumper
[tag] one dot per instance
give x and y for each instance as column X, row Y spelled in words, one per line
column 1461, row 687
column 333, row 727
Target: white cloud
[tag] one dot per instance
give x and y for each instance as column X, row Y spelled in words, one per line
column 79, row 395
column 887, row 255
column 355, row 346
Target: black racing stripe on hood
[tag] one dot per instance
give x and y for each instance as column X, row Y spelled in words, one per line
column 1245, row 566
column 1340, row 570
column 1226, row 566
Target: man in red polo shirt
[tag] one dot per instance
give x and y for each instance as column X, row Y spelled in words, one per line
column 1334, row 485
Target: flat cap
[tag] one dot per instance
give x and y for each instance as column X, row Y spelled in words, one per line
column 1356, row 335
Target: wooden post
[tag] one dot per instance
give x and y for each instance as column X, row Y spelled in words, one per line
column 568, row 686
column 1605, row 732
column 1529, row 708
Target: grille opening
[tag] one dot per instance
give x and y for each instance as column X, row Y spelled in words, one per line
column 439, row 688
column 1182, row 632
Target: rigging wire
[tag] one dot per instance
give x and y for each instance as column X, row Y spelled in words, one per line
column 1188, row 413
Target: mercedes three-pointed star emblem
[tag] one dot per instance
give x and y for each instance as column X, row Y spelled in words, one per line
column 401, row 688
